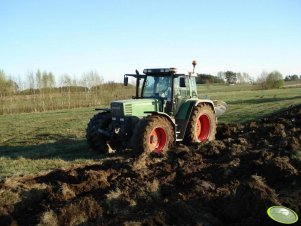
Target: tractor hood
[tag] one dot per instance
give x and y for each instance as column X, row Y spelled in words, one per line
column 135, row 107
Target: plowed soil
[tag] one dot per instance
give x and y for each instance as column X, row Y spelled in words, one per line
column 231, row 181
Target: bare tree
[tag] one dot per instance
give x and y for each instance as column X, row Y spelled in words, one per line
column 45, row 80
column 51, row 80
column 7, row 85
column 39, row 79
column 32, row 85
column 239, row 78
column 261, row 79
column 67, row 83
column 20, row 83
column 246, row 77
column 92, row 78
column 31, row 80
column 221, row 75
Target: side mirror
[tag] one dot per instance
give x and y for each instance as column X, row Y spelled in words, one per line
column 182, row 82
column 125, row 81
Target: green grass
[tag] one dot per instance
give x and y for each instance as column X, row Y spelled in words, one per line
column 246, row 103
column 35, row 142
column 31, row 143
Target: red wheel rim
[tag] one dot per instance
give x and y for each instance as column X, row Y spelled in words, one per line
column 157, row 140
column 202, row 128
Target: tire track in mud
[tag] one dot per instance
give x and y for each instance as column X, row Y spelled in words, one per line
column 231, row 181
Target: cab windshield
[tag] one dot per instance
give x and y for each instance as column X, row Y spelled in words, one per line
column 157, row 86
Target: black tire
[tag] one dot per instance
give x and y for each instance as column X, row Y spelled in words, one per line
column 97, row 141
column 201, row 116
column 153, row 134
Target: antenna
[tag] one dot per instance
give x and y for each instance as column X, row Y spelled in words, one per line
column 193, row 64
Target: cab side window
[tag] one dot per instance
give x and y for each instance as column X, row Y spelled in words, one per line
column 183, row 86
column 193, row 87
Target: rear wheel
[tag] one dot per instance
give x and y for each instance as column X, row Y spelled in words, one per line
column 96, row 140
column 202, row 125
column 153, row 134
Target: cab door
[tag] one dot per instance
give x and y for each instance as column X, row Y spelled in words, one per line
column 181, row 91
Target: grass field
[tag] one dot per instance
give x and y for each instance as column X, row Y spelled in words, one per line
column 31, row 143
column 246, row 103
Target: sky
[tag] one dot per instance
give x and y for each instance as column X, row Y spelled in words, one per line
column 115, row 37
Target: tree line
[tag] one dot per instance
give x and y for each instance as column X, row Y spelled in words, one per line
column 42, row 92
column 271, row 80
column 43, row 81
column 292, row 78
column 229, row 77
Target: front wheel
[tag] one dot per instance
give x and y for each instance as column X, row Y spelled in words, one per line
column 201, row 126
column 153, row 134
column 96, row 140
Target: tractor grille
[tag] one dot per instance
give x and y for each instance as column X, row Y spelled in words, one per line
column 128, row 110
column 117, row 109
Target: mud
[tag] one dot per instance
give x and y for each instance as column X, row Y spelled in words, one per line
column 231, row 181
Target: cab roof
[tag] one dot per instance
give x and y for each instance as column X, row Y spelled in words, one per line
column 166, row 71
column 171, row 70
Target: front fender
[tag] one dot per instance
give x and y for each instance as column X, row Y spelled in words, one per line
column 170, row 119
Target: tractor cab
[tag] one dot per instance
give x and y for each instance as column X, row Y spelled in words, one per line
column 170, row 88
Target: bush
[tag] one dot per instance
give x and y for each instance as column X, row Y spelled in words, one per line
column 273, row 80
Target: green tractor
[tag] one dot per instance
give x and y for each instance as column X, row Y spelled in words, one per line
column 165, row 110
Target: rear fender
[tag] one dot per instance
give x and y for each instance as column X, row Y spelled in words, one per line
column 184, row 114
column 219, row 107
column 209, row 102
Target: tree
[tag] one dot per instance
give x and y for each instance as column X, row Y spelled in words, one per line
column 294, row 77
column 247, row 78
column 39, row 79
column 243, row 78
column 51, row 80
column 2, row 77
column 66, row 80
column 261, row 80
column 205, row 79
column 20, row 83
column 275, row 80
column 45, row 80
column 31, row 81
column 239, row 78
column 91, row 78
column 7, row 86
column 231, row 77
column 221, row 75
